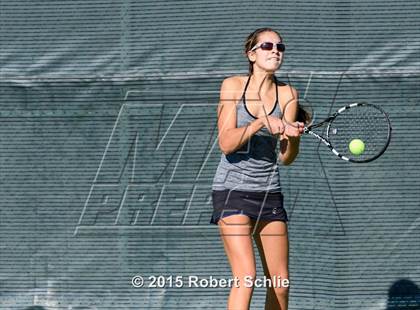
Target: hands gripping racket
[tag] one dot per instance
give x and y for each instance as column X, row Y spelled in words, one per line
column 358, row 132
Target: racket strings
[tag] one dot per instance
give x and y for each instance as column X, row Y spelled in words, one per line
column 366, row 123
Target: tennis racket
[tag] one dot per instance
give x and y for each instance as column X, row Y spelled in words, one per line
column 363, row 121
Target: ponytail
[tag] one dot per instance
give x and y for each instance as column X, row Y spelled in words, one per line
column 304, row 115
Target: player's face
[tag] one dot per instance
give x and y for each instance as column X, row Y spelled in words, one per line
column 267, row 60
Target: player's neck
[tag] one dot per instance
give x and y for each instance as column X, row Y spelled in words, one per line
column 261, row 82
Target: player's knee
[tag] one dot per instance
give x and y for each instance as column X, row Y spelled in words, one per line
column 281, row 292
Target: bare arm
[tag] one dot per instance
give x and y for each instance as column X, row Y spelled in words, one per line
column 232, row 138
column 290, row 139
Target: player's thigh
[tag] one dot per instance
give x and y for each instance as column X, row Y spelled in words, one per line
column 272, row 241
column 236, row 234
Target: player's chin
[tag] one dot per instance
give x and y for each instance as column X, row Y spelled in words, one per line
column 274, row 63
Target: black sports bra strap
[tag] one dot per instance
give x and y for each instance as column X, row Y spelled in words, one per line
column 246, row 86
column 277, row 92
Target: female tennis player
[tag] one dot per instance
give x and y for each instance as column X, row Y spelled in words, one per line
column 246, row 192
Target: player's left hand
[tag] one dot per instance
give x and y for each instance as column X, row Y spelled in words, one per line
column 294, row 129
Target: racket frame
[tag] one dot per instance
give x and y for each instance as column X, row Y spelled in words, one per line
column 330, row 119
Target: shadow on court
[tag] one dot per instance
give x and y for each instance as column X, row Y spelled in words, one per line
column 403, row 294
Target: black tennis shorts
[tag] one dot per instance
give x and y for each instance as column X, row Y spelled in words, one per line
column 256, row 205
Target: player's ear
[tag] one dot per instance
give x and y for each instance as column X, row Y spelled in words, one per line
column 251, row 56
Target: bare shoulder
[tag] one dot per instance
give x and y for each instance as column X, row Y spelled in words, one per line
column 234, row 82
column 287, row 90
column 232, row 87
column 287, row 93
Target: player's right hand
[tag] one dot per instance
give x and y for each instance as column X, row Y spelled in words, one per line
column 273, row 124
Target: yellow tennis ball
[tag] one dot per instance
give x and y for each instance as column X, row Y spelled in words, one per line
column 357, row 146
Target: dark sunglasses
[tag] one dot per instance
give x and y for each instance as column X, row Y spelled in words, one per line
column 268, row 46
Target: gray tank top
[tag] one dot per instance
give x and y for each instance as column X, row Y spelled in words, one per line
column 253, row 167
